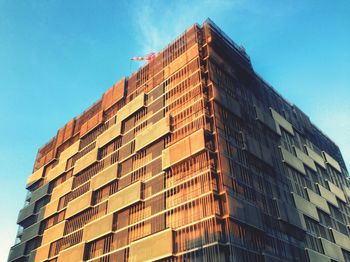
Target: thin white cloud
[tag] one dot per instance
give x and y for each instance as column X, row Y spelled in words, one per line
column 158, row 22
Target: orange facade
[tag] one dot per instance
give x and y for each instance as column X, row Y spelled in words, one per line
column 182, row 161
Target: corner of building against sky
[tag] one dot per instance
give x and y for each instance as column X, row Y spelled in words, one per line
column 58, row 57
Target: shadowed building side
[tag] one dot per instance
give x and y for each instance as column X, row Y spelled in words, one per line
column 192, row 158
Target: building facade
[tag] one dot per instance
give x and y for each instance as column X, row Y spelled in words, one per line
column 192, row 158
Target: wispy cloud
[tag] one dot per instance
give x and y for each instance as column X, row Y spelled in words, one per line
column 158, row 22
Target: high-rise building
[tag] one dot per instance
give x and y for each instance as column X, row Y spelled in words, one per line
column 192, row 158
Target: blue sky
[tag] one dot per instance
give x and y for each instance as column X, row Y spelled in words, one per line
column 58, row 57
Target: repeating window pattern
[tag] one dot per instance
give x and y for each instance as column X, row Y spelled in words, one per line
column 64, row 200
column 71, row 161
column 199, row 234
column 89, row 138
column 65, row 242
column 51, row 221
column 230, row 200
column 89, row 172
column 104, row 192
column 101, row 246
column 85, row 217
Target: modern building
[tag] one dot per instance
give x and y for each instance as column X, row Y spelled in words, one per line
column 192, row 158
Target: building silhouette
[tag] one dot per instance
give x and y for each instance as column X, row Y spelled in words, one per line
column 192, row 158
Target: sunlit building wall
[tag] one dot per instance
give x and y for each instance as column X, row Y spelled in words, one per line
column 192, row 158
